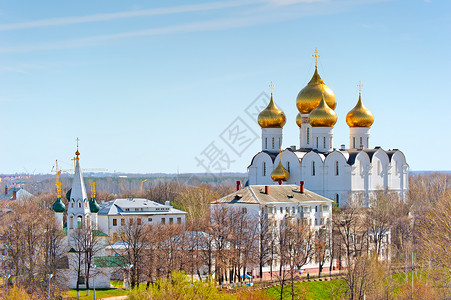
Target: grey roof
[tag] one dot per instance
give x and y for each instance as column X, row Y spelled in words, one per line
column 255, row 194
column 351, row 152
column 21, row 194
column 135, row 206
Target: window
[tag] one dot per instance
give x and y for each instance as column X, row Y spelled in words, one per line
column 313, row 168
column 163, row 221
column 368, row 142
column 179, row 220
column 316, row 208
column 171, row 220
column 122, row 222
column 114, row 222
column 321, row 221
column 288, row 166
column 336, row 168
column 361, row 142
column 316, row 221
column 244, row 210
column 127, row 209
column 316, row 142
column 325, row 208
column 71, row 223
column 308, row 136
column 72, row 205
column 324, row 142
column 266, row 143
column 131, row 221
column 330, row 142
column 138, row 221
column 273, row 142
column 337, row 199
column 149, row 219
column 264, row 169
column 281, row 210
column 287, row 210
column 136, row 209
column 79, row 222
column 353, row 142
column 294, row 209
column 79, row 204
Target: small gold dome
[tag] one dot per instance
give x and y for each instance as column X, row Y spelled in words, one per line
column 359, row 116
column 322, row 115
column 299, row 120
column 280, row 173
column 271, row 116
column 310, row 96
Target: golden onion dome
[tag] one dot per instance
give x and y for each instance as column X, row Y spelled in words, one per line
column 322, row 115
column 280, row 173
column 271, row 116
column 359, row 116
column 299, row 120
column 310, row 96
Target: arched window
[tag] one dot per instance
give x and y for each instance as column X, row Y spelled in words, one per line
column 266, row 143
column 288, row 166
column 313, row 168
column 324, row 142
column 353, row 142
column 308, row 136
column 361, row 142
column 71, row 221
column 264, row 169
column 79, row 222
column 273, row 142
column 337, row 199
column 337, row 172
column 79, row 204
column 367, row 142
column 316, row 142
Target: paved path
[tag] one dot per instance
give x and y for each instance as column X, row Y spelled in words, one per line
column 114, row 298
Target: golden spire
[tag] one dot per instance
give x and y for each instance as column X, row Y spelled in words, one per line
column 77, row 152
column 58, row 189
column 316, row 55
column 271, row 116
column 280, row 173
column 359, row 116
column 322, row 115
column 310, row 96
column 93, row 189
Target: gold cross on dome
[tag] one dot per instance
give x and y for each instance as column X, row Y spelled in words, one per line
column 77, row 139
column 316, row 55
column 93, row 189
column 58, row 189
column 271, row 86
column 280, row 153
column 360, row 87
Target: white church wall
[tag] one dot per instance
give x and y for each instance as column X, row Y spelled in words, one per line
column 264, row 166
column 312, row 172
column 292, row 164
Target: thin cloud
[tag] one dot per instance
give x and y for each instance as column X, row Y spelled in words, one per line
column 124, row 15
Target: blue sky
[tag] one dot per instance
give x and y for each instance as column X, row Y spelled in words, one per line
column 150, row 86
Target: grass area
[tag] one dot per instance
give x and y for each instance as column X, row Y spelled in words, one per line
column 99, row 293
column 311, row 290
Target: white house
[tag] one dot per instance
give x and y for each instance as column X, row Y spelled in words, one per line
column 116, row 213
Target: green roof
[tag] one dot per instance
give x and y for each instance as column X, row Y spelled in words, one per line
column 110, row 261
column 59, row 206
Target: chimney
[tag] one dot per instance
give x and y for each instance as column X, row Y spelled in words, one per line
column 6, row 190
column 167, row 203
column 293, row 147
column 14, row 195
column 266, row 189
column 342, row 147
column 280, row 182
column 301, row 187
column 238, row 185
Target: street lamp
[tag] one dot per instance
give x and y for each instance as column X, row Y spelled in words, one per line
column 48, row 295
column 93, row 280
column 130, row 266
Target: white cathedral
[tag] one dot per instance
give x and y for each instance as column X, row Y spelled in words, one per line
column 333, row 173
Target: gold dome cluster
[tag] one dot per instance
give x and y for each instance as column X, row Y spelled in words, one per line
column 280, row 173
column 271, row 116
column 310, row 96
column 322, row 115
column 359, row 116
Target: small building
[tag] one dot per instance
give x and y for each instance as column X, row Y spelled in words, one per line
column 119, row 212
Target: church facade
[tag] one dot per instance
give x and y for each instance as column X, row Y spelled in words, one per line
column 335, row 173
